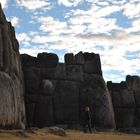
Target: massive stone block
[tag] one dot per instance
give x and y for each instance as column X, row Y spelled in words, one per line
column 12, row 103
column 32, row 80
column 124, row 117
column 6, row 54
column 94, row 93
column 12, row 110
column 74, row 72
column 79, row 58
column 137, row 97
column 48, row 87
column 66, row 102
column 31, row 101
column 48, row 60
column 135, row 80
column 28, row 61
column 137, row 118
column 69, row 59
column 1, row 51
column 128, row 82
column 126, row 102
column 60, row 71
column 123, row 98
column 92, row 64
column 47, row 73
column 44, row 112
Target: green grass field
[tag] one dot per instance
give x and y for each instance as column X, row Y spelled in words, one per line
column 42, row 134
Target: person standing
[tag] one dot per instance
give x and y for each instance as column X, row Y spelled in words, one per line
column 88, row 119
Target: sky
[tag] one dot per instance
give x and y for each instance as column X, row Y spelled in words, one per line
column 108, row 27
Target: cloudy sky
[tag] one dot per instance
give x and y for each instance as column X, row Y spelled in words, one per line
column 108, row 27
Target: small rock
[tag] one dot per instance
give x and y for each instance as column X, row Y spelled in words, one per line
column 57, row 131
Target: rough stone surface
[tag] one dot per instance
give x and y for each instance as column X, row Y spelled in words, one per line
column 1, row 50
column 28, row 60
column 12, row 110
column 95, row 94
column 66, row 102
column 32, row 80
column 48, row 87
column 125, row 117
column 61, row 89
column 31, row 101
column 60, row 71
column 43, row 115
column 48, row 60
column 126, row 102
column 69, row 59
column 57, row 131
column 92, row 64
column 124, row 98
column 137, row 118
column 74, row 72
column 137, row 97
column 47, row 73
column 79, row 58
column 56, row 93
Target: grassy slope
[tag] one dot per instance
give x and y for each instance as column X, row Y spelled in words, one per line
column 71, row 135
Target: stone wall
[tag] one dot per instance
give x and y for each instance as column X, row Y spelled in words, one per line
column 12, row 110
column 126, row 102
column 57, row 93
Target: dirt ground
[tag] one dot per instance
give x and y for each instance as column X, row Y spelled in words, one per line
column 42, row 134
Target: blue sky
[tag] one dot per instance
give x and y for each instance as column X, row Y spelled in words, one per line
column 108, row 27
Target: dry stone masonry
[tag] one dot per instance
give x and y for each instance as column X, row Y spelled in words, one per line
column 57, row 93
column 126, row 102
column 12, row 111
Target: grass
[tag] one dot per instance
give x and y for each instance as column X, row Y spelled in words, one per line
column 43, row 134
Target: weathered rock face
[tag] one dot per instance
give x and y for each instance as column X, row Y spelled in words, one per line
column 95, row 94
column 126, row 102
column 12, row 111
column 57, row 93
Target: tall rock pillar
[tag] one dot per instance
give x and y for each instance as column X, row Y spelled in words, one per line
column 12, row 110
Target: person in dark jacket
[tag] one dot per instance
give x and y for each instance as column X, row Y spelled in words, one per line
column 87, row 126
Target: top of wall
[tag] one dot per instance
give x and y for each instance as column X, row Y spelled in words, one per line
column 131, row 83
column 90, row 62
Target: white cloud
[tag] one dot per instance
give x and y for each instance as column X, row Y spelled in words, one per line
column 86, row 31
column 69, row 3
column 45, row 39
column 49, row 24
column 15, row 21
column 106, row 11
column 32, row 51
column 132, row 10
column 95, row 25
column 119, row 2
column 90, row 31
column 24, row 39
column 95, row 19
column 4, row 3
column 34, row 4
column 114, row 77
